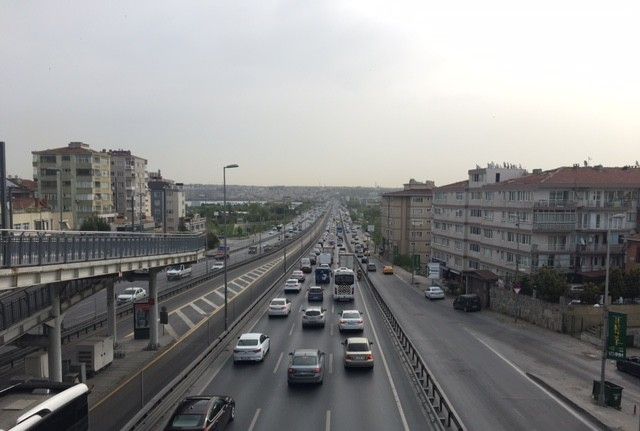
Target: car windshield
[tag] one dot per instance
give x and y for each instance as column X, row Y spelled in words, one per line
column 345, row 279
column 247, row 342
column 351, row 315
column 358, row 347
column 304, row 360
column 129, row 291
column 277, row 302
column 313, row 312
column 187, row 421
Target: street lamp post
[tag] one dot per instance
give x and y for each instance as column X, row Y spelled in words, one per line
column 605, row 313
column 284, row 228
column 224, row 206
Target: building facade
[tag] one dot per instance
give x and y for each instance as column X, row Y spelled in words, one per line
column 519, row 223
column 83, row 176
column 130, row 185
column 168, row 205
column 405, row 221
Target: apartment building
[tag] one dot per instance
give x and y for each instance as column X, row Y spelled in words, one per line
column 130, row 185
column 168, row 205
column 518, row 222
column 405, row 221
column 26, row 211
column 84, row 182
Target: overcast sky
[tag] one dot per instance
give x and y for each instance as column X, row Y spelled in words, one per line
column 323, row 92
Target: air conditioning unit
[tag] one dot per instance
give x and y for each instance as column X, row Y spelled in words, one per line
column 95, row 353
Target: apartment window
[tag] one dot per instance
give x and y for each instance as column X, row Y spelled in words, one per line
column 509, row 257
column 475, row 213
column 597, row 221
column 459, row 213
column 459, row 196
column 474, row 247
column 66, row 158
column 47, row 158
column 488, row 215
column 459, row 228
column 476, row 195
column 488, row 196
column 457, row 245
column 474, row 230
column 475, row 178
column 416, row 199
column 488, row 233
column 550, row 260
column 473, row 264
column 558, row 196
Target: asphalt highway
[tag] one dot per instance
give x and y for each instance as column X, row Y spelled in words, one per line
column 378, row 399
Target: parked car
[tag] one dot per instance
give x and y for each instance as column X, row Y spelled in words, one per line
column 357, row 352
column 371, row 267
column 467, row 302
column 130, row 294
column 388, row 269
column 292, row 285
column 315, row 293
column 351, row 320
column 298, row 274
column 630, row 365
column 203, row 412
column 305, row 366
column 279, row 307
column 434, row 292
column 313, row 316
column 253, row 249
column 251, row 347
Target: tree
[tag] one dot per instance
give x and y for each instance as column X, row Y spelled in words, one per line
column 616, row 283
column 549, row 284
column 591, row 293
column 182, row 227
column 94, row 223
column 632, row 284
column 212, row 240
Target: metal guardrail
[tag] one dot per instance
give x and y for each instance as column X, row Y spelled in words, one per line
column 20, row 248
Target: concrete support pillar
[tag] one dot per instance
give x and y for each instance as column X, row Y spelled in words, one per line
column 111, row 313
column 55, row 338
column 154, row 315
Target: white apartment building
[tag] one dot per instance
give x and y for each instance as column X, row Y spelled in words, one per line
column 520, row 223
column 168, row 205
column 405, row 221
column 85, row 181
column 130, row 185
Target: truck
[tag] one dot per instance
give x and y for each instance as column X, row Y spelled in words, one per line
column 178, row 271
column 325, row 258
column 323, row 274
column 222, row 252
column 347, row 260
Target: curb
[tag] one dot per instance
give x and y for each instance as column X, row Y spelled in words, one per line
column 571, row 403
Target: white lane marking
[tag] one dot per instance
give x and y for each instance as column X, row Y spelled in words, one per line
column 327, row 421
column 330, row 363
column 195, row 307
column 239, row 282
column 291, row 331
column 220, row 294
column 171, row 331
column 331, row 331
column 209, row 302
column 333, row 309
column 523, row 374
column 186, row 320
column 301, row 309
column 254, row 420
column 247, row 279
column 275, row 369
column 405, row 425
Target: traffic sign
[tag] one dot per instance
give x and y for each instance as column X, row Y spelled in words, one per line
column 517, row 290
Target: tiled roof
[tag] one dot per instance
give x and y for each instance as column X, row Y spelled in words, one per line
column 575, row 177
column 67, row 151
column 413, row 192
column 25, row 203
column 460, row 185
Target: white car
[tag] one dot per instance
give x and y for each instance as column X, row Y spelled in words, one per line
column 130, row 294
column 298, row 274
column 434, row 292
column 292, row 285
column 351, row 320
column 218, row 265
column 279, row 307
column 251, row 347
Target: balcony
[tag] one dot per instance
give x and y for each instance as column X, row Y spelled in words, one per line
column 613, row 205
column 544, row 204
column 553, row 227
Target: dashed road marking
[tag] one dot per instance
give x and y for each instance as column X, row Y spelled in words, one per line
column 186, row 320
column 171, row 331
column 330, row 363
column 221, row 295
column 254, row 420
column 198, row 309
column 275, row 369
column 327, row 421
column 291, row 331
column 209, row 302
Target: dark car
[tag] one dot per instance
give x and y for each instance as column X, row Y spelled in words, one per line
column 371, row 267
column 630, row 365
column 364, row 259
column 204, row 412
column 467, row 302
column 315, row 293
column 312, row 258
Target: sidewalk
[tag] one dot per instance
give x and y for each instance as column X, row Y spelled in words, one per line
column 567, row 372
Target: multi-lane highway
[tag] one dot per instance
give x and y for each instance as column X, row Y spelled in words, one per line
column 378, row 399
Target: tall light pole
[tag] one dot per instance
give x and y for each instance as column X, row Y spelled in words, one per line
column 605, row 312
column 224, row 207
column 284, row 228
column 59, row 178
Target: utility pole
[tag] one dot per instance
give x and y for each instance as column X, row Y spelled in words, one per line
column 133, row 212
column 59, row 178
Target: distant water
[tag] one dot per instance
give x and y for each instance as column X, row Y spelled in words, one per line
column 198, row 203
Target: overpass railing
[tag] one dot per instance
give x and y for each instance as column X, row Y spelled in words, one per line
column 20, row 248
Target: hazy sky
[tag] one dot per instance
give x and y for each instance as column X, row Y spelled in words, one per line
column 323, row 92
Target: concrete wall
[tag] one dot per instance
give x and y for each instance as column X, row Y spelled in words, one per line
column 582, row 317
column 532, row 310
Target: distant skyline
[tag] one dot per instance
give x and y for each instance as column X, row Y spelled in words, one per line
column 340, row 93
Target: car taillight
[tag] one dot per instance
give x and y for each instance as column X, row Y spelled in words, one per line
column 370, row 357
column 292, row 371
column 236, row 350
column 316, row 369
column 257, row 351
column 343, row 321
column 360, row 321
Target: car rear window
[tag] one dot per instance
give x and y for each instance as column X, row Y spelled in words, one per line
column 247, row 342
column 358, row 347
column 187, row 421
column 277, row 302
column 304, row 360
column 315, row 290
column 351, row 315
column 312, row 312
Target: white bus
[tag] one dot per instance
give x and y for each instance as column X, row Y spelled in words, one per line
column 344, row 284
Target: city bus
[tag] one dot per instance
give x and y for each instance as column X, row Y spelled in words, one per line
column 344, row 284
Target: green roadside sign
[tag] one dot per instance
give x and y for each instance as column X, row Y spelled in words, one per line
column 617, row 340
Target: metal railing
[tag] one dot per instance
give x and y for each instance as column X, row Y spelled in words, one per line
column 21, row 248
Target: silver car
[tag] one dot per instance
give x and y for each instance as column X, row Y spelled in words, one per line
column 351, row 320
column 313, row 316
column 305, row 366
column 357, row 352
